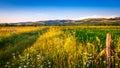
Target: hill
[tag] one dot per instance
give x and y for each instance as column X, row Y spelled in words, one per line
column 89, row 21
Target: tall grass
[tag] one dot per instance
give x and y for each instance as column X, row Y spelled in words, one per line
column 8, row 31
column 15, row 44
column 63, row 47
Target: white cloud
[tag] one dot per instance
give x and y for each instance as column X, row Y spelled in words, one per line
column 12, row 18
column 98, row 16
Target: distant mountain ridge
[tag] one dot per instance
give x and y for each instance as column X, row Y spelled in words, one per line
column 89, row 21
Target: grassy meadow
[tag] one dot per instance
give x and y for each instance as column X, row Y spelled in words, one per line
column 57, row 46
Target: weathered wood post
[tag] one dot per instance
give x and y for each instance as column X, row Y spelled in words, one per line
column 108, row 47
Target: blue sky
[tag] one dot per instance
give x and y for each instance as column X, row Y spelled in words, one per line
column 35, row 10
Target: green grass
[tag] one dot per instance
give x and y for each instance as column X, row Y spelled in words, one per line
column 15, row 45
column 59, row 47
column 98, row 38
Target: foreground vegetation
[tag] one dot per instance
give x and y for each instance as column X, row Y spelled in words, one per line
column 59, row 47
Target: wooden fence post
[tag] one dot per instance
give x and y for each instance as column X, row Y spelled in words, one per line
column 108, row 47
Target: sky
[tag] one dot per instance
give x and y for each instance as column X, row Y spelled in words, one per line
column 12, row 11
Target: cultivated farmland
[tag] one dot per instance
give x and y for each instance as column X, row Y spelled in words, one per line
column 57, row 46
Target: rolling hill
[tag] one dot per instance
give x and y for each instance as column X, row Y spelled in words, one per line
column 89, row 21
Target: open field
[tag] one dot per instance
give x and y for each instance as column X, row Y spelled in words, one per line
column 57, row 46
column 7, row 31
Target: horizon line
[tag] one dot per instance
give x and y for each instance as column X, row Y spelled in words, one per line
column 64, row 19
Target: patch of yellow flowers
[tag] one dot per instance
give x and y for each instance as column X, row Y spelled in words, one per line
column 61, row 48
column 7, row 31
